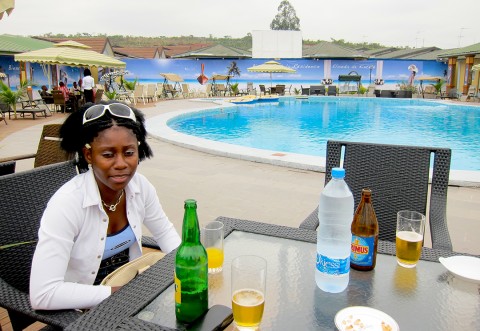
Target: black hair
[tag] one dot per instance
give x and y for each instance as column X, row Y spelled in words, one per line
column 75, row 134
column 87, row 72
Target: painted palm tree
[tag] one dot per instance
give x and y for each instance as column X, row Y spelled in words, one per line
column 233, row 69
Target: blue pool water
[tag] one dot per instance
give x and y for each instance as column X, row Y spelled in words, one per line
column 303, row 126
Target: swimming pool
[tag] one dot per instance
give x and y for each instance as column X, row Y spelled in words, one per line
column 303, row 126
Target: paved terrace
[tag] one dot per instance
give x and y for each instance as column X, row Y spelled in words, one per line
column 234, row 187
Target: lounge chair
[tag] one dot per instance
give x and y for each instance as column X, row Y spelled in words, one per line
column 399, row 179
column 187, row 92
column 332, row 90
column 150, row 92
column 262, row 89
column 317, row 90
column 138, row 93
column 305, row 90
column 280, row 89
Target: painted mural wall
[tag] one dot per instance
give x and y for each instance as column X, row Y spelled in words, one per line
column 308, row 72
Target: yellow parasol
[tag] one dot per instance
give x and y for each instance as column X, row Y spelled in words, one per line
column 72, row 54
column 6, row 6
column 272, row 67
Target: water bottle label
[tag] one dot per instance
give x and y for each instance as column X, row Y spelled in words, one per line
column 362, row 250
column 335, row 267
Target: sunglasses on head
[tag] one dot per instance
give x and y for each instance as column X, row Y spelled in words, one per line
column 115, row 109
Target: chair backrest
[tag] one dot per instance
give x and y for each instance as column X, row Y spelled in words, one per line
column 98, row 95
column 24, row 197
column 58, row 97
column 151, row 89
column 398, row 177
column 49, row 150
column 280, row 89
column 332, row 90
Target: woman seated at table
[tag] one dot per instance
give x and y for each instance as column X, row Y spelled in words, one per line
column 93, row 224
column 46, row 96
column 64, row 90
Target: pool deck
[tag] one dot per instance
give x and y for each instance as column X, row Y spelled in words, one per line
column 237, row 187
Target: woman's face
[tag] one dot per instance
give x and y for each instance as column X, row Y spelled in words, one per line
column 114, row 158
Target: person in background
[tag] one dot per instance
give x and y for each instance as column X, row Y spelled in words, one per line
column 64, row 90
column 88, row 84
column 75, row 88
column 93, row 224
column 46, row 96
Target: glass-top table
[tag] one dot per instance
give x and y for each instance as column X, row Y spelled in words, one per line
column 427, row 297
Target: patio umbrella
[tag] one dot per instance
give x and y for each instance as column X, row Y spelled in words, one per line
column 271, row 67
column 72, row 54
column 427, row 78
column 6, row 6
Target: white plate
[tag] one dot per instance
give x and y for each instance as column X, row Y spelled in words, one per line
column 465, row 267
column 364, row 319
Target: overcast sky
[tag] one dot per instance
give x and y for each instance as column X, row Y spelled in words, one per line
column 414, row 23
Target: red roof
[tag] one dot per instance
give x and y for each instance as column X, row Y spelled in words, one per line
column 141, row 52
column 97, row 44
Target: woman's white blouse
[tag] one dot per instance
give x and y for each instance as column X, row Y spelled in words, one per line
column 72, row 238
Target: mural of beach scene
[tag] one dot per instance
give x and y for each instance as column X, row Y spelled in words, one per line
column 308, row 72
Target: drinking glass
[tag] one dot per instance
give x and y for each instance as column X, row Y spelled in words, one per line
column 409, row 237
column 249, row 274
column 212, row 239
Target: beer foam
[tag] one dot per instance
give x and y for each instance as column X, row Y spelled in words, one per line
column 248, row 297
column 409, row 236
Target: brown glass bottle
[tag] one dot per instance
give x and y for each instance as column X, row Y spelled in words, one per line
column 364, row 234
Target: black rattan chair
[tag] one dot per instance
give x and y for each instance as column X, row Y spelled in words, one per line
column 24, row 198
column 398, row 177
column 7, row 167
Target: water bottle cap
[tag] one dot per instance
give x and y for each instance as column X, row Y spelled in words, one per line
column 338, row 173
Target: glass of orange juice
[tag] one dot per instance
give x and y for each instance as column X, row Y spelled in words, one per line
column 212, row 239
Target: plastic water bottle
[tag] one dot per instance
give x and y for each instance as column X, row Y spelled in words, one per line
column 334, row 237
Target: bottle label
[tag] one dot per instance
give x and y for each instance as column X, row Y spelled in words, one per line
column 363, row 249
column 178, row 290
column 335, row 267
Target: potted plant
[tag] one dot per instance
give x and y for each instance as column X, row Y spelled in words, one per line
column 234, row 88
column 438, row 86
column 10, row 97
column 111, row 95
column 129, row 85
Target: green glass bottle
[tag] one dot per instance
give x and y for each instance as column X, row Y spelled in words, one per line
column 191, row 269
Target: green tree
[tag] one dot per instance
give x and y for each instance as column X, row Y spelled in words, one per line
column 286, row 18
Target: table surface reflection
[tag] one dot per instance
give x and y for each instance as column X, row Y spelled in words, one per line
column 427, row 297
column 421, row 298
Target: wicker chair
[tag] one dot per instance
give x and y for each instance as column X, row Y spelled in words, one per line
column 398, row 177
column 48, row 151
column 24, row 197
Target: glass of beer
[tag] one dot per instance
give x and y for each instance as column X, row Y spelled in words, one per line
column 249, row 274
column 409, row 238
column 212, row 239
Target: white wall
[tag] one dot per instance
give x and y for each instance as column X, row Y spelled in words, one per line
column 276, row 44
